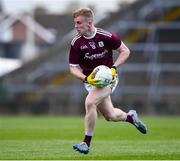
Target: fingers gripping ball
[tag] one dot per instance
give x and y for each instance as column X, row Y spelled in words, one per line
column 101, row 76
column 113, row 70
column 114, row 73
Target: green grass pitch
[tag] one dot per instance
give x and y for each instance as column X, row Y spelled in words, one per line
column 51, row 138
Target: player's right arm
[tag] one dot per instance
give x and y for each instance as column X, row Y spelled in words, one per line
column 77, row 72
column 74, row 57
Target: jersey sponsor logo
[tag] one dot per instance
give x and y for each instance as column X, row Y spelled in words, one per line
column 101, row 44
column 95, row 56
column 83, row 47
column 92, row 44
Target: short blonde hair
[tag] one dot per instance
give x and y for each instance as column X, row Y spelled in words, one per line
column 85, row 11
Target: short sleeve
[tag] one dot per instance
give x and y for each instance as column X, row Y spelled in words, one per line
column 115, row 41
column 74, row 56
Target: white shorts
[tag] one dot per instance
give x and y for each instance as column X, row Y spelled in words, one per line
column 113, row 86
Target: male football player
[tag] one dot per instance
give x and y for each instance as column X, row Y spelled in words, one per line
column 89, row 48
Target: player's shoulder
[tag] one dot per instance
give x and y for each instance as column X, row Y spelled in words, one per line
column 104, row 32
column 76, row 38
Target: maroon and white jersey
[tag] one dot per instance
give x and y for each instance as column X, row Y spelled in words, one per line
column 89, row 52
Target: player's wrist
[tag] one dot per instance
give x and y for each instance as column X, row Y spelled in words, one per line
column 85, row 80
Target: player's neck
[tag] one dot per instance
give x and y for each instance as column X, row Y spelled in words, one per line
column 91, row 33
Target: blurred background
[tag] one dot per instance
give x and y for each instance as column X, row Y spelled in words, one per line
column 35, row 38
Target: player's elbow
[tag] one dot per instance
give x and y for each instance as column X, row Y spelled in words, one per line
column 72, row 70
column 127, row 51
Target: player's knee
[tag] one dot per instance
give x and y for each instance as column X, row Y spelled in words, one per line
column 89, row 103
column 107, row 119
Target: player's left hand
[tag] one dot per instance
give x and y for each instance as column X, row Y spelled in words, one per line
column 114, row 73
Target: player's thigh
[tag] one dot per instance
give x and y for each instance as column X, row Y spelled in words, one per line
column 97, row 95
column 106, row 108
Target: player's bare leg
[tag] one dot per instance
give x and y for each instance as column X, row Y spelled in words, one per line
column 114, row 114
column 109, row 112
column 92, row 100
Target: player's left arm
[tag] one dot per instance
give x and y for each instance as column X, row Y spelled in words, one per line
column 123, row 52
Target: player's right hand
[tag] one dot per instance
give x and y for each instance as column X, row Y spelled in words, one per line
column 97, row 83
column 90, row 79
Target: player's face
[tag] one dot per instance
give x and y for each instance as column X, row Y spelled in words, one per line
column 82, row 25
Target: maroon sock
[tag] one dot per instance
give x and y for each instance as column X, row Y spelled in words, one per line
column 129, row 119
column 87, row 139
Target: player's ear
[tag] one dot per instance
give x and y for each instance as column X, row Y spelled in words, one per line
column 90, row 22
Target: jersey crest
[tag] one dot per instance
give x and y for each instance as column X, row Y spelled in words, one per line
column 101, row 44
column 92, row 44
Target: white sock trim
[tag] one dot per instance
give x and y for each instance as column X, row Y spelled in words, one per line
column 89, row 133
